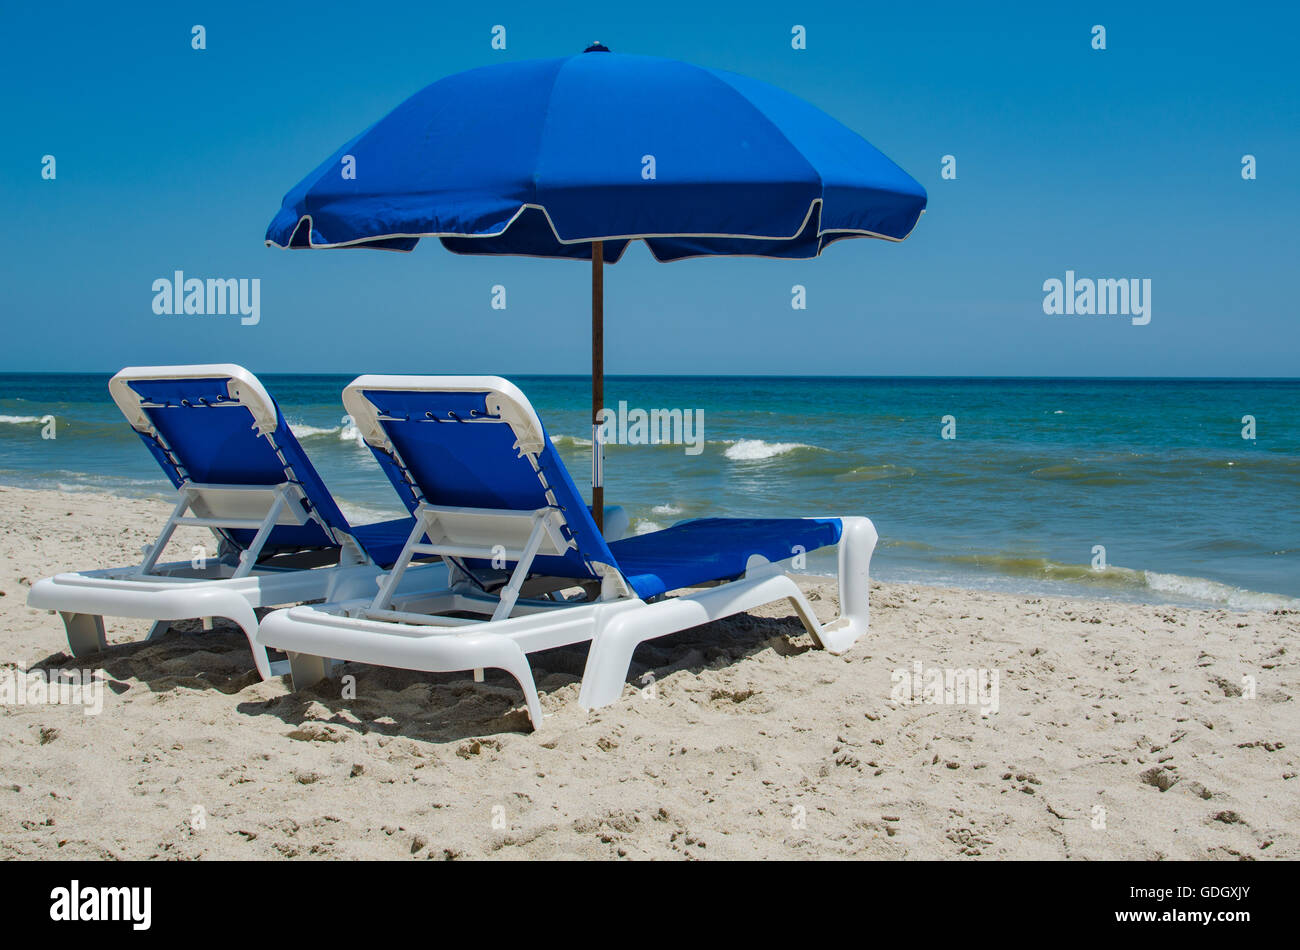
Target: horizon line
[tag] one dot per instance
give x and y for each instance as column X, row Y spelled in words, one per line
column 844, row 376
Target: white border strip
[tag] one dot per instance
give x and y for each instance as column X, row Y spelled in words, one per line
column 504, row 398
column 244, row 388
column 307, row 218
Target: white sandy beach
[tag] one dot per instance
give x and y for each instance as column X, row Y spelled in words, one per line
column 1122, row 732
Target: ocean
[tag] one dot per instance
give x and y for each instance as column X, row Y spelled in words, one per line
column 1041, row 483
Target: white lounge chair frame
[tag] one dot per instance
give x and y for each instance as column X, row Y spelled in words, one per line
column 233, row 507
column 178, row 590
column 412, row 630
column 484, row 533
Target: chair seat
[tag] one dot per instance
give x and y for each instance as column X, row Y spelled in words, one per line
column 384, row 540
column 715, row 549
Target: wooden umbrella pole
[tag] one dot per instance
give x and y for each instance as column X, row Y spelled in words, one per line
column 597, row 381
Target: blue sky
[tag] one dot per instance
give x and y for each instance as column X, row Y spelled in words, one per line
column 1117, row 163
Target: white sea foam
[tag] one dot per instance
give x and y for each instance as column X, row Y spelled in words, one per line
column 570, row 440
column 304, row 431
column 344, row 433
column 755, row 450
column 645, row 526
column 350, row 433
column 19, row 420
column 1214, row 592
column 1124, row 582
column 368, row 514
column 111, row 485
column 666, row 510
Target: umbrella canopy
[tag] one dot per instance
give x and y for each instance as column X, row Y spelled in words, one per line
column 578, row 156
column 546, row 156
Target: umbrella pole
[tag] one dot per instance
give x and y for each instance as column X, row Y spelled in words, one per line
column 597, row 381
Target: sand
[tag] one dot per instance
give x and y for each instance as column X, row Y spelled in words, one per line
column 1122, row 732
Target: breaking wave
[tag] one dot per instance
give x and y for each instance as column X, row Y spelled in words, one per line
column 757, row 450
column 1198, row 590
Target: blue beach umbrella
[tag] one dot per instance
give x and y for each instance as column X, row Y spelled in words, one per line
column 576, row 157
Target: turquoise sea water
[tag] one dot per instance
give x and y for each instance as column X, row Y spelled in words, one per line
column 1040, row 471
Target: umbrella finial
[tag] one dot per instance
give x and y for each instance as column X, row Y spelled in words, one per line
column 597, row 47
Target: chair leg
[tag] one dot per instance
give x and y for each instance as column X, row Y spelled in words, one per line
column 308, row 670
column 246, row 618
column 610, row 656
column 857, row 542
column 85, row 633
column 519, row 667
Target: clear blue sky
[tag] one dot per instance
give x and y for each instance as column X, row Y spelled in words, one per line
column 1122, row 163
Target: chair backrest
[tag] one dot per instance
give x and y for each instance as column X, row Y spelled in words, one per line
column 474, row 442
column 216, row 424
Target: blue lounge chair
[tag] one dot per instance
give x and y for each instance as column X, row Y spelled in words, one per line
column 527, row 569
column 238, row 470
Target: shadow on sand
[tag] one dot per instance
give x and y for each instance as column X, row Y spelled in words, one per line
column 427, row 707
